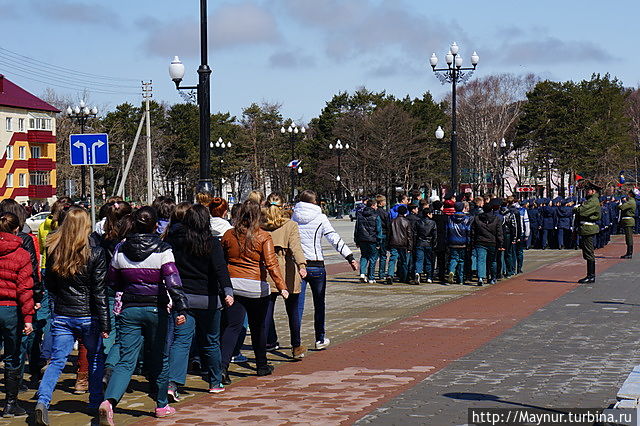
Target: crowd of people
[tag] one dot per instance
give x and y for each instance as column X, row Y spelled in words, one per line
column 149, row 289
column 483, row 239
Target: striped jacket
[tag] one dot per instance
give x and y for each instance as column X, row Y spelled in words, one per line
column 144, row 270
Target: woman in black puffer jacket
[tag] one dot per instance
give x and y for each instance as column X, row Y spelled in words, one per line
column 76, row 270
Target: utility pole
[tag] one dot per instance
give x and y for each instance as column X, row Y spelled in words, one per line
column 147, row 89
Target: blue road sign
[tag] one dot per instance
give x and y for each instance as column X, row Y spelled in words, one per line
column 89, row 149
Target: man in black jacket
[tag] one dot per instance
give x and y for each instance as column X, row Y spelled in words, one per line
column 413, row 218
column 367, row 236
column 425, row 236
column 401, row 243
column 440, row 249
column 486, row 234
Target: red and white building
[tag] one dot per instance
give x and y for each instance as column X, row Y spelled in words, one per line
column 27, row 145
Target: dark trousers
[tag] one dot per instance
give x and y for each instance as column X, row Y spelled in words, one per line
column 586, row 244
column 291, row 305
column 382, row 259
column 628, row 235
column 11, row 333
column 256, row 310
column 441, row 263
column 520, row 247
column 545, row 237
column 368, row 257
column 562, row 233
column 317, row 280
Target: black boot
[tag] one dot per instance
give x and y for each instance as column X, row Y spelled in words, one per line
column 591, row 273
column 11, row 384
column 629, row 254
column 226, row 380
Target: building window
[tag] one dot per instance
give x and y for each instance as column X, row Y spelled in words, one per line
column 9, row 183
column 9, row 153
column 8, row 124
column 39, row 178
column 22, row 153
column 35, row 152
column 21, row 124
column 23, row 180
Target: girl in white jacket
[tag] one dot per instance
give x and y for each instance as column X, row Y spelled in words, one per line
column 313, row 226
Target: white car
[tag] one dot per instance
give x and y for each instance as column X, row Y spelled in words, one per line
column 34, row 221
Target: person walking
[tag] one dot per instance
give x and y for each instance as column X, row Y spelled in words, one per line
column 205, row 281
column 314, row 225
column 628, row 222
column 401, row 244
column 16, row 307
column 458, row 238
column 218, row 209
column 425, row 235
column 143, row 269
column 587, row 215
column 76, row 265
column 293, row 267
column 250, row 256
column 486, row 235
column 368, row 236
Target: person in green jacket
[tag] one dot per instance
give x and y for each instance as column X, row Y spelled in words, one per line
column 587, row 215
column 628, row 222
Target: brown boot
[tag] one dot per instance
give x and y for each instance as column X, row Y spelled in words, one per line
column 82, row 383
column 299, row 351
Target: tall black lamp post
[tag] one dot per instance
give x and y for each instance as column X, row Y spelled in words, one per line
column 293, row 131
column 81, row 113
column 220, row 146
column 338, row 148
column 453, row 74
column 176, row 71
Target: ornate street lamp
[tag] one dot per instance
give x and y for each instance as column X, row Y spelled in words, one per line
column 454, row 74
column 293, row 131
column 339, row 149
column 203, row 89
column 220, row 146
column 81, row 113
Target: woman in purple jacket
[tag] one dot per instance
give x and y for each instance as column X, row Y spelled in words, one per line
column 143, row 269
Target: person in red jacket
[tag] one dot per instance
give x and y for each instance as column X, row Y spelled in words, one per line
column 16, row 306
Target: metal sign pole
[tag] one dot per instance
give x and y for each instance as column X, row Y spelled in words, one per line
column 93, row 199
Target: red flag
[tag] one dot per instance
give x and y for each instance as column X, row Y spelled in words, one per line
column 579, row 178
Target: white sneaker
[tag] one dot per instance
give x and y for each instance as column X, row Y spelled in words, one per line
column 363, row 278
column 429, row 281
column 322, row 344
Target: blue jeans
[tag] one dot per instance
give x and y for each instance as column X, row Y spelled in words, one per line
column 520, row 247
column 398, row 255
column 382, row 256
column 510, row 259
column 111, row 346
column 64, row 332
column 486, row 257
column 368, row 257
column 456, row 262
column 291, row 305
column 423, row 261
column 136, row 324
column 207, row 321
column 317, row 279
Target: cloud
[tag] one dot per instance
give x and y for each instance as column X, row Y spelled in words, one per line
column 392, row 67
column 76, row 12
column 551, row 50
column 357, row 29
column 9, row 10
column 230, row 25
column 291, row 59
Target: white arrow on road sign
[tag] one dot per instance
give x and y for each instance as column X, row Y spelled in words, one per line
column 96, row 145
column 83, row 146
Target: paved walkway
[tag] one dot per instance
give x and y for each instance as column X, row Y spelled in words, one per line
column 385, row 340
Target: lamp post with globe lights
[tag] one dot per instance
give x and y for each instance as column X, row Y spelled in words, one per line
column 293, row 131
column 339, row 149
column 220, row 146
column 203, row 89
column 81, row 113
column 454, row 74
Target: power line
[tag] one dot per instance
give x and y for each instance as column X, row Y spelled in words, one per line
column 102, row 77
column 73, row 88
column 49, row 72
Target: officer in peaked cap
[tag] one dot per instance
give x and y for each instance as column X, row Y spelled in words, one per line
column 587, row 215
column 628, row 221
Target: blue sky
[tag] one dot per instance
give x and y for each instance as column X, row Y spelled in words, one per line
column 299, row 53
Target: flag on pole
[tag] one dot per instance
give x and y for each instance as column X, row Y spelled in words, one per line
column 294, row 164
column 578, row 178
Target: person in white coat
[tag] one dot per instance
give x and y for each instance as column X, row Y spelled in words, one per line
column 313, row 226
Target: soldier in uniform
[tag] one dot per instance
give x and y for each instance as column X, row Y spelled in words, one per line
column 587, row 215
column 628, row 222
column 565, row 214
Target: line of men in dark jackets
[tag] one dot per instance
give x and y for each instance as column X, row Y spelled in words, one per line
column 454, row 241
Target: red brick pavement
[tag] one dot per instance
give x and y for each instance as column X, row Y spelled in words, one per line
column 345, row 382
